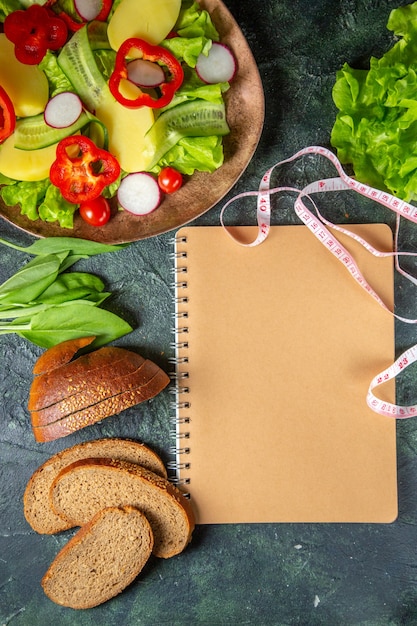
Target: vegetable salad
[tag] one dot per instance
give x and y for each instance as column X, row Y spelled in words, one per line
column 192, row 36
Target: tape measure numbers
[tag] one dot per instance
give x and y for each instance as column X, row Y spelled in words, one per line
column 317, row 225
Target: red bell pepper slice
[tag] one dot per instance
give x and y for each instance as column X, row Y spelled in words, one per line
column 33, row 31
column 82, row 176
column 149, row 52
column 7, row 115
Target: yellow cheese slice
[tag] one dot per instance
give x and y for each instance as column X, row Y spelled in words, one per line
column 25, row 165
column 127, row 129
column 26, row 85
column 150, row 20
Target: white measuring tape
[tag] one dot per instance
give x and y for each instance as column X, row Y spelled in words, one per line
column 316, row 223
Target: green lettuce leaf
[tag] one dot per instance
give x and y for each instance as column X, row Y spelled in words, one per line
column 403, row 22
column 191, row 153
column 8, row 6
column 195, row 31
column 55, row 208
column 58, row 82
column 187, row 49
column 193, row 88
column 27, row 194
column 40, row 199
column 193, row 22
column 376, row 125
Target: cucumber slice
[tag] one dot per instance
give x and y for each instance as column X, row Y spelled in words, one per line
column 98, row 132
column 33, row 133
column 198, row 118
column 77, row 61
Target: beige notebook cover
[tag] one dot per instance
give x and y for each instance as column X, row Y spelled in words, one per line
column 277, row 345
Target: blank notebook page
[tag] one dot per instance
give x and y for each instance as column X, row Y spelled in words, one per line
column 280, row 348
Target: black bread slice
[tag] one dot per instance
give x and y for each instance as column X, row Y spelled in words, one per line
column 36, row 504
column 83, row 488
column 101, row 560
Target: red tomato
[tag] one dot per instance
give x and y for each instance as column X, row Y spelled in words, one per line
column 169, row 179
column 95, row 212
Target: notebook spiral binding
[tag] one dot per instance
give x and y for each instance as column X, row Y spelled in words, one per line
column 179, row 390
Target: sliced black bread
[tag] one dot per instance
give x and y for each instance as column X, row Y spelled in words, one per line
column 36, row 503
column 101, row 560
column 84, row 487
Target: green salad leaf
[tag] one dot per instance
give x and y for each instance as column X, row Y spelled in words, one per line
column 376, row 125
column 62, row 323
column 68, row 246
column 8, row 6
column 187, row 49
column 46, row 305
column 193, row 88
column 55, row 208
column 193, row 22
column 58, row 82
column 27, row 194
column 39, row 199
column 187, row 155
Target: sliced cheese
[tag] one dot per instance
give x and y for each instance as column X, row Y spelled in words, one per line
column 28, row 165
column 127, row 129
column 26, row 85
column 150, row 20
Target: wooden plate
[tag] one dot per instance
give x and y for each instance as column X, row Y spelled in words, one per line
column 245, row 114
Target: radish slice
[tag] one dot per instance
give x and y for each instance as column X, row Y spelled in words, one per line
column 139, row 193
column 88, row 9
column 219, row 66
column 145, row 73
column 63, row 110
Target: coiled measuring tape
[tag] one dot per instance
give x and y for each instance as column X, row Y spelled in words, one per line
column 317, row 225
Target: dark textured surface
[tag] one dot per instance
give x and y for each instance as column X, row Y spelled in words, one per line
column 273, row 574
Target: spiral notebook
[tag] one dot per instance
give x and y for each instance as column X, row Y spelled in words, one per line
column 276, row 347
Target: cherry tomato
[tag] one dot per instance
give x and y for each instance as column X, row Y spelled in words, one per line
column 95, row 212
column 169, row 179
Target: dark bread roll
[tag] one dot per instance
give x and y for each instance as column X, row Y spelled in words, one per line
column 60, row 354
column 88, row 370
column 96, row 412
column 72, row 393
column 92, row 394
